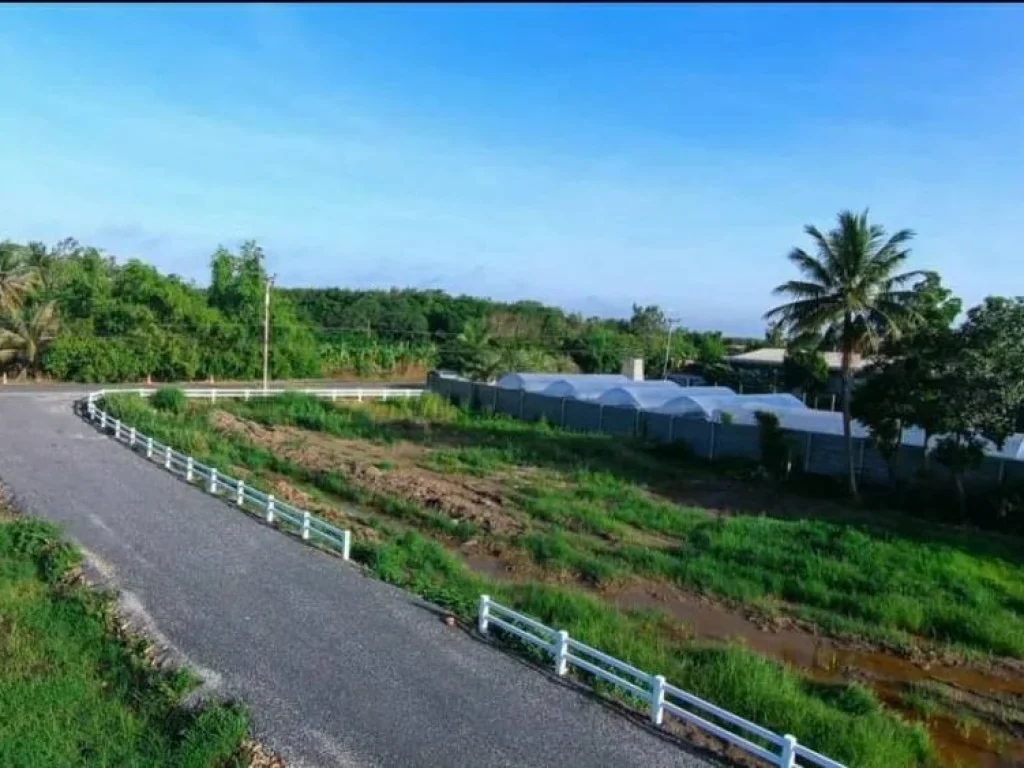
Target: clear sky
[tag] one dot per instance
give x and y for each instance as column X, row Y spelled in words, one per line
column 589, row 156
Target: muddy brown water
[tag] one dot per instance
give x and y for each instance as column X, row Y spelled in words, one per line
column 829, row 661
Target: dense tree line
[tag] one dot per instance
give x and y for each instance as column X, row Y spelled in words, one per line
column 482, row 337
column 72, row 312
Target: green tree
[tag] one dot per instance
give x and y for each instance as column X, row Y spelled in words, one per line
column 25, row 333
column 17, row 278
column 905, row 387
column 473, row 352
column 804, row 370
column 852, row 295
column 982, row 386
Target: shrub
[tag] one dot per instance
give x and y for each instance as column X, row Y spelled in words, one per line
column 775, row 453
column 170, row 399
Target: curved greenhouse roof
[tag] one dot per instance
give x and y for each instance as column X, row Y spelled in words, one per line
column 831, row 423
column 709, row 402
column 776, row 400
column 641, row 394
column 592, row 390
column 804, row 419
column 538, row 382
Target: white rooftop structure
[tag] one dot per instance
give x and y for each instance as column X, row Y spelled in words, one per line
column 588, row 389
column 774, row 356
column 538, row 382
column 643, row 395
column 710, row 402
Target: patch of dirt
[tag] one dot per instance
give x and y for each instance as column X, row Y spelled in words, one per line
column 474, row 499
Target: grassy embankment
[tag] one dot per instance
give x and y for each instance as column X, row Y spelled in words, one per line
column 76, row 691
column 596, row 508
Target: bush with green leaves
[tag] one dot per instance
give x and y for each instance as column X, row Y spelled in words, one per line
column 170, row 399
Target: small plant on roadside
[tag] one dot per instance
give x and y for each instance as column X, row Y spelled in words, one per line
column 170, row 399
column 776, row 457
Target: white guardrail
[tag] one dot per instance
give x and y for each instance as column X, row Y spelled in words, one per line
column 661, row 697
column 305, row 524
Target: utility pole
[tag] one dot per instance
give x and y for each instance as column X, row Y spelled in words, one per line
column 266, row 332
column 668, row 346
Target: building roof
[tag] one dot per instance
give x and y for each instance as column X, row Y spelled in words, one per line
column 772, row 356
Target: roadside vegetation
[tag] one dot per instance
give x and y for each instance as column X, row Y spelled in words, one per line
column 74, row 688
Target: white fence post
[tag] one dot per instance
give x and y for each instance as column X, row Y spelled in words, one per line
column 117, row 429
column 103, row 421
column 149, row 447
column 359, row 395
column 484, row 612
column 213, row 395
column 212, row 487
column 247, row 395
column 657, row 699
column 131, row 437
column 346, row 544
column 788, row 757
column 167, row 457
column 240, row 495
column 562, row 653
column 305, row 526
column 188, row 469
column 270, row 508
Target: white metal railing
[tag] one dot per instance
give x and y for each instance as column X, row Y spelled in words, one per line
column 346, row 393
column 658, row 695
column 307, row 525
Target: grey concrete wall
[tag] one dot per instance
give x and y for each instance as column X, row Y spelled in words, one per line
column 582, row 416
column 736, row 441
column 696, row 434
column 537, row 406
column 656, row 427
column 827, row 452
column 619, row 421
column 508, row 402
column 483, row 396
column 460, row 392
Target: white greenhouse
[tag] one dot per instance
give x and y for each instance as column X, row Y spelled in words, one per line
column 538, row 382
column 645, row 395
column 588, row 389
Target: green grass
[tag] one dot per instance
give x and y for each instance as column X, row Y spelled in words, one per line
column 846, row 722
column 889, row 580
column 71, row 691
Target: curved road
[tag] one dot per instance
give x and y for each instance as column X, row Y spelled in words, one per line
column 339, row 669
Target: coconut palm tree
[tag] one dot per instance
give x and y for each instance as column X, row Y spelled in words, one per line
column 42, row 262
column 25, row 333
column 851, row 297
column 17, row 278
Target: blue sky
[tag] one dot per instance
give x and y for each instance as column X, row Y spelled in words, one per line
column 589, row 156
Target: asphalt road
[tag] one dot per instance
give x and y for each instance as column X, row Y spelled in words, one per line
column 339, row 669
